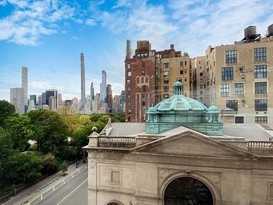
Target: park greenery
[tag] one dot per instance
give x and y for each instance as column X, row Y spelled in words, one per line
column 57, row 139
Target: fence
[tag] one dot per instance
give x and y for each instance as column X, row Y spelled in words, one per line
column 121, row 142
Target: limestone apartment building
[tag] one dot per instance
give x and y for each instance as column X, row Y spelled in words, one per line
column 149, row 76
column 239, row 77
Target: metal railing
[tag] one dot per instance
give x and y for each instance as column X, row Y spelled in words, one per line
column 121, row 142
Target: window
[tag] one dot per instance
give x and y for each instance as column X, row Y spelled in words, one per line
column 165, row 65
column 238, row 89
column 166, row 88
column 260, row 88
column 261, row 105
column 143, row 103
column 201, row 74
column 232, row 104
column 259, row 54
column 224, row 90
column 143, row 72
column 185, row 62
column 137, row 79
column 166, row 96
column 262, row 120
column 115, row 177
column 231, row 56
column 129, row 88
column 181, row 63
column 146, row 79
column 128, row 82
column 143, row 95
column 129, row 73
column 239, row 119
column 129, row 66
column 144, row 88
column 227, row 73
column 260, row 71
column 242, row 69
column 166, row 80
column 181, row 72
column 166, row 73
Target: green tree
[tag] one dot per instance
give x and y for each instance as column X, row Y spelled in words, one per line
column 20, row 128
column 50, row 164
column 6, row 151
column 49, row 130
column 23, row 168
column 6, row 109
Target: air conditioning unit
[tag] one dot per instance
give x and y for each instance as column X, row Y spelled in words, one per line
column 265, row 112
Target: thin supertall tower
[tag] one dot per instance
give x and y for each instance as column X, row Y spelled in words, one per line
column 82, row 82
column 25, row 84
column 103, row 85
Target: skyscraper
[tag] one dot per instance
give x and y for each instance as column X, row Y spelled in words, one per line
column 109, row 97
column 103, row 86
column 82, row 82
column 51, row 97
column 17, row 99
column 25, row 84
column 92, row 94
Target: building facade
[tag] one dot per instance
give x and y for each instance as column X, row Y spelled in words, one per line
column 239, row 77
column 103, row 87
column 149, row 75
column 83, row 97
column 169, row 160
column 17, row 96
column 25, row 84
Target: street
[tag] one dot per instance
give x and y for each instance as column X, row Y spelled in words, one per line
column 71, row 193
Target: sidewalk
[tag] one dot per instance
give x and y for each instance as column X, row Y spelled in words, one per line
column 31, row 191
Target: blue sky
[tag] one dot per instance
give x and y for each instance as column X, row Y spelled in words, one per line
column 47, row 36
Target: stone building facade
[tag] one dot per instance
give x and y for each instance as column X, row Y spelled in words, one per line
column 239, row 77
column 139, row 164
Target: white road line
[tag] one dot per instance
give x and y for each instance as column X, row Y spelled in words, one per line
column 71, row 192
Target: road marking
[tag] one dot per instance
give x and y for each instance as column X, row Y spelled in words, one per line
column 71, row 192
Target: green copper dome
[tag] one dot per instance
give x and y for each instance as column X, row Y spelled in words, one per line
column 180, row 103
column 179, row 110
column 213, row 109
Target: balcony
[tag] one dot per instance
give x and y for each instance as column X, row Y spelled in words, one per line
column 117, row 142
column 260, row 145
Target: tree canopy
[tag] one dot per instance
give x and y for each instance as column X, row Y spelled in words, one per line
column 6, row 109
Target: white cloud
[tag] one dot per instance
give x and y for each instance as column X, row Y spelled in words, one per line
column 30, row 20
column 138, row 19
column 205, row 23
column 90, row 22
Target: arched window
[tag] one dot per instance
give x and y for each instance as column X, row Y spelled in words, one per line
column 142, row 79
column 146, row 79
column 114, row 203
column 187, row 190
column 137, row 79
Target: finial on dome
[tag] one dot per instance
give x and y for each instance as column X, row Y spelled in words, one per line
column 177, row 88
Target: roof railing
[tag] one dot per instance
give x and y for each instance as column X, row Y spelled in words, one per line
column 120, row 142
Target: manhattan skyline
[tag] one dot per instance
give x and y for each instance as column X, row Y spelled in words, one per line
column 47, row 37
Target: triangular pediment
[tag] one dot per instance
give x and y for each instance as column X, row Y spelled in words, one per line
column 190, row 143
